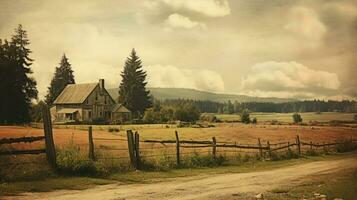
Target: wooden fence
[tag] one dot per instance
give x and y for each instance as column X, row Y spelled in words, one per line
column 261, row 150
column 49, row 149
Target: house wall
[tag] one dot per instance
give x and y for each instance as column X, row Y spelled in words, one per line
column 97, row 105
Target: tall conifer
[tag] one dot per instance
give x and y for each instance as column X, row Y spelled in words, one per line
column 17, row 86
column 132, row 89
column 62, row 77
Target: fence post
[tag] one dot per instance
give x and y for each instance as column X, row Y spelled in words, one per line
column 50, row 146
column 298, row 144
column 91, row 144
column 260, row 149
column 269, row 150
column 130, row 138
column 137, row 151
column 177, row 148
column 311, row 145
column 214, row 142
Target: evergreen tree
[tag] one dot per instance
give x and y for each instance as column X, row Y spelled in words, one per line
column 62, row 77
column 19, row 89
column 132, row 91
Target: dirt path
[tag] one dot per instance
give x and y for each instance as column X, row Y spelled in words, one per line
column 221, row 186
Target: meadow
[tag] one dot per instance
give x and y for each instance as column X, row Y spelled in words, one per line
column 287, row 117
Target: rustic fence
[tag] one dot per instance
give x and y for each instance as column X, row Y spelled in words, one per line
column 49, row 149
column 136, row 153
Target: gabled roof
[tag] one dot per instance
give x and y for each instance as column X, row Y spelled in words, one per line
column 75, row 93
column 119, row 108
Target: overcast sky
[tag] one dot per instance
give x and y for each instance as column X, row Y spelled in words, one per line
column 277, row 48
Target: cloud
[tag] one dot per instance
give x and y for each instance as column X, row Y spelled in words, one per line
column 305, row 22
column 289, row 79
column 179, row 21
column 211, row 8
column 172, row 76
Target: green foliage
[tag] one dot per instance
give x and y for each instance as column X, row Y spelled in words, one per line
column 312, row 152
column 17, row 87
column 297, row 118
column 197, row 160
column 186, row 113
column 244, row 116
column 209, row 118
column 346, row 145
column 286, row 155
column 72, row 161
column 254, row 121
column 62, row 77
column 36, row 111
column 132, row 90
column 111, row 129
column 161, row 115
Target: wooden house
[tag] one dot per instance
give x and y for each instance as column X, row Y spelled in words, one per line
column 88, row 102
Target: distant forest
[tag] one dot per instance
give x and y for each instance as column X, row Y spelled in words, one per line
column 286, row 107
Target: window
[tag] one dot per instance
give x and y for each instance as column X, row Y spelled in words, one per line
column 89, row 114
column 105, row 99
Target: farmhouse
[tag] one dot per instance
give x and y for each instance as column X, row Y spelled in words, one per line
column 88, row 102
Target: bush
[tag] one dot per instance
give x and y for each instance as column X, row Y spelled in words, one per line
column 345, row 146
column 254, row 121
column 244, row 116
column 209, row 118
column 70, row 160
column 297, row 118
column 110, row 129
column 186, row 113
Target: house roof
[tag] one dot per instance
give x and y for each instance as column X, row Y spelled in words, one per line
column 119, row 108
column 75, row 93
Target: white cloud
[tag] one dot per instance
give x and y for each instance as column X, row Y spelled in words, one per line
column 289, row 79
column 211, row 8
column 172, row 76
column 305, row 22
column 179, row 21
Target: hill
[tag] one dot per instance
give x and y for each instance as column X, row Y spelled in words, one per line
column 182, row 93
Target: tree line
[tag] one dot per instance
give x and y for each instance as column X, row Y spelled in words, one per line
column 206, row 106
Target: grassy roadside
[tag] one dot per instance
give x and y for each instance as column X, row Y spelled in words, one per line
column 77, row 183
column 342, row 185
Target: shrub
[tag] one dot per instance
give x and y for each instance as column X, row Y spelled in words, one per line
column 297, row 118
column 345, row 146
column 197, row 160
column 254, row 121
column 70, row 160
column 209, row 118
column 312, row 152
column 244, row 116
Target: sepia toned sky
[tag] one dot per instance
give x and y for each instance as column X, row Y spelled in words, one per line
column 279, row 48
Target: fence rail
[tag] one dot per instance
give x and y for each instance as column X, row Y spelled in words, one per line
column 21, row 139
column 18, row 152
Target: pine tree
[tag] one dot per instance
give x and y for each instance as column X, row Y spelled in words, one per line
column 18, row 87
column 132, row 89
column 62, row 77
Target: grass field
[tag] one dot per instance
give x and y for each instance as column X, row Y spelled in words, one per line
column 287, row 117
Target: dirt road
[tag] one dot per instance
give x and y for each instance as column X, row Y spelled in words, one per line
column 220, row 186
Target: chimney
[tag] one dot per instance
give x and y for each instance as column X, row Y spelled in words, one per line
column 101, row 85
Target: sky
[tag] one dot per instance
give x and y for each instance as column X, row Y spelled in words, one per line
column 279, row 48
